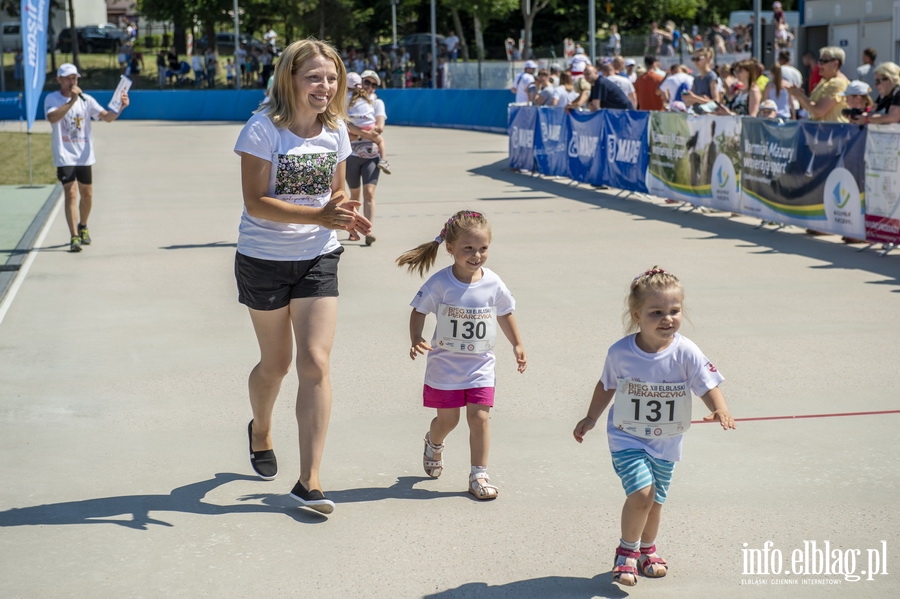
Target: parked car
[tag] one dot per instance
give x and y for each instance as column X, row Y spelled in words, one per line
column 91, row 39
column 225, row 43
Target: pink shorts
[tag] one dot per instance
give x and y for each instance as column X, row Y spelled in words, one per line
column 457, row 398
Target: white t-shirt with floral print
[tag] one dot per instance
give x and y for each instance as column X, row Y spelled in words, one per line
column 302, row 171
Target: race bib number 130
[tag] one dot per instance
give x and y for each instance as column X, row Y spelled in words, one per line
column 466, row 330
column 650, row 410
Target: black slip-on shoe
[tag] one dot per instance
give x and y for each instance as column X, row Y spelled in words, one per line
column 314, row 500
column 263, row 462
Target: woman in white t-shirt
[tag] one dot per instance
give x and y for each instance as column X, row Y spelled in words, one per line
column 293, row 153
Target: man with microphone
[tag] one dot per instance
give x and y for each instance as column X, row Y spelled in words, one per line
column 70, row 112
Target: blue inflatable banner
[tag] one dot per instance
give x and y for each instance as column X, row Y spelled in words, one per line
column 522, row 121
column 583, row 151
column 627, row 150
column 805, row 174
column 35, row 14
column 550, row 142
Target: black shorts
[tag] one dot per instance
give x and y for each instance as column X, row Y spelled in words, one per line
column 67, row 174
column 362, row 169
column 272, row 284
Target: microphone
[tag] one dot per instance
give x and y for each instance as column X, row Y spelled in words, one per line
column 82, row 98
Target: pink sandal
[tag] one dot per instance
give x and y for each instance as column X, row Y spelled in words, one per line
column 625, row 570
column 651, row 565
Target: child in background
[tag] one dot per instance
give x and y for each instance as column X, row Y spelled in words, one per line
column 470, row 303
column 229, row 72
column 651, row 375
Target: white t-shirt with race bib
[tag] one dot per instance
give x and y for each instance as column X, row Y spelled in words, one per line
column 71, row 138
column 661, row 383
column 302, row 171
column 446, row 296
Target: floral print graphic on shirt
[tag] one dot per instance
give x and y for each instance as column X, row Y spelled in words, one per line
column 305, row 174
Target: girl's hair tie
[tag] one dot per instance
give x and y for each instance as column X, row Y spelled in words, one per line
column 647, row 273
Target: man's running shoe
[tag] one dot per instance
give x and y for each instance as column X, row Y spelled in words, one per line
column 84, row 234
column 75, row 244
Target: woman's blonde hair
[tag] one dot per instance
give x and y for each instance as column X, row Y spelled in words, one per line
column 833, row 52
column 282, row 106
column 891, row 70
column 648, row 282
column 422, row 258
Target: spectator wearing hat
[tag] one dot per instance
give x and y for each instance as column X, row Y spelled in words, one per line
column 630, row 70
column 887, row 105
column 768, row 109
column 523, row 82
column 70, row 113
column 578, row 62
column 859, row 102
column 370, row 81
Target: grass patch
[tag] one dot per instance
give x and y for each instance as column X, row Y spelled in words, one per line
column 14, row 158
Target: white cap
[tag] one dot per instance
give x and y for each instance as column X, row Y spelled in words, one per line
column 353, row 80
column 857, row 88
column 630, row 62
column 66, row 69
column 579, row 50
column 776, row 5
column 768, row 105
column 370, row 74
column 530, row 64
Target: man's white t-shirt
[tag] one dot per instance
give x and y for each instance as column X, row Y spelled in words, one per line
column 682, row 361
column 302, row 172
column 449, row 370
column 524, row 81
column 673, row 83
column 71, row 137
column 577, row 64
column 623, row 83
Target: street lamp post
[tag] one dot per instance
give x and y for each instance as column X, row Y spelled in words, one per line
column 237, row 44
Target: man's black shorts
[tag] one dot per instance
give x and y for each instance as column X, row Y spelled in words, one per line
column 67, row 174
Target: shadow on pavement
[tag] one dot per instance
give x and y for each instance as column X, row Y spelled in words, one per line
column 187, row 499
column 557, row 587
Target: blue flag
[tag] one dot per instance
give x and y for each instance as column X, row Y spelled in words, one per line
column 35, row 15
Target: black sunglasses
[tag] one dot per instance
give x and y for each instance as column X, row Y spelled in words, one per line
column 826, row 60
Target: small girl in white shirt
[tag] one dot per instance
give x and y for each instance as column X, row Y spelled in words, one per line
column 470, row 303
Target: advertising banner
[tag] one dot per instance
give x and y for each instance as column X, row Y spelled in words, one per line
column 695, row 159
column 583, row 151
column 669, row 172
column 35, row 15
column 627, row 150
column 522, row 120
column 550, row 142
column 883, row 184
column 805, row 174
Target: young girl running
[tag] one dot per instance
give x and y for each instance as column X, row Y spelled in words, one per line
column 651, row 375
column 470, row 303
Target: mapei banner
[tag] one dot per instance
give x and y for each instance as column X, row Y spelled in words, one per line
column 883, row 184
column 627, row 150
column 522, row 120
column 583, row 151
column 695, row 159
column 805, row 174
column 550, row 142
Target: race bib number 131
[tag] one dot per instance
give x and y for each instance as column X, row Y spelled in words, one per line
column 466, row 330
column 650, row 410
